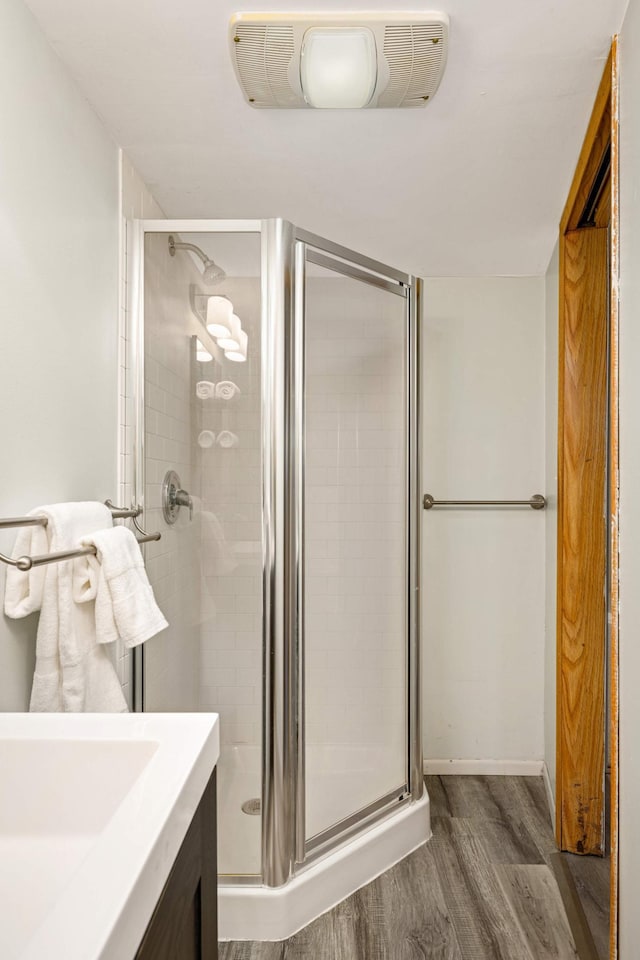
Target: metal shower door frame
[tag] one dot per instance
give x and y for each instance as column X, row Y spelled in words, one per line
column 285, row 250
column 296, row 248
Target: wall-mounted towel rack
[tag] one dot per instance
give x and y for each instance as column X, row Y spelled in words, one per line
column 536, row 502
column 26, row 563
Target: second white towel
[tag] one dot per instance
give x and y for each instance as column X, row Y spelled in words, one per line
column 117, row 580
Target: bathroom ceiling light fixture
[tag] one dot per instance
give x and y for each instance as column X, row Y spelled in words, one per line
column 239, row 355
column 338, row 67
column 232, row 340
column 202, row 354
column 339, row 60
column 212, row 273
column 219, row 316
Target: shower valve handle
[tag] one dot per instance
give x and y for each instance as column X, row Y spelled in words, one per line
column 184, row 499
column 174, row 497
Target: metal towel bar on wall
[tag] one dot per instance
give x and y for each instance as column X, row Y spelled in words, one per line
column 536, row 502
column 26, row 563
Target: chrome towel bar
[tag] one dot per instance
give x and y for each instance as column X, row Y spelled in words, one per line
column 536, row 502
column 26, row 563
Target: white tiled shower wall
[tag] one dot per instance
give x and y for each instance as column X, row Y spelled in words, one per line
column 355, row 526
column 231, row 539
column 206, row 574
column 355, row 523
column 171, row 657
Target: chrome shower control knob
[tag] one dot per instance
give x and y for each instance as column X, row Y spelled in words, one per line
column 183, row 499
column 174, row 497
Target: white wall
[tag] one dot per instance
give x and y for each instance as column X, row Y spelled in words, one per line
column 137, row 200
column 629, row 484
column 58, row 301
column 551, row 518
column 483, row 569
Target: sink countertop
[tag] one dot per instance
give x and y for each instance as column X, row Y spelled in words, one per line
column 93, row 811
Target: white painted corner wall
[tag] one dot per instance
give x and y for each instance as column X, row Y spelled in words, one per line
column 58, row 302
column 483, row 581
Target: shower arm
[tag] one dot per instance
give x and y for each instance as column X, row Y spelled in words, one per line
column 181, row 245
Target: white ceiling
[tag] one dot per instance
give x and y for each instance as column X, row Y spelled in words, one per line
column 471, row 185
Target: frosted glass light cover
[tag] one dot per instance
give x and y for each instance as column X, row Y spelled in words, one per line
column 239, row 355
column 202, row 354
column 338, row 67
column 232, row 340
column 219, row 314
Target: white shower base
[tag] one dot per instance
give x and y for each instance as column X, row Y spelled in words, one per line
column 265, row 913
column 239, row 834
column 340, row 779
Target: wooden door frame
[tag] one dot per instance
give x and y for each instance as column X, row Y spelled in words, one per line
column 603, row 129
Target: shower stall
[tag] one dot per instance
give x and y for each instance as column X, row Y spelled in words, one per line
column 284, row 476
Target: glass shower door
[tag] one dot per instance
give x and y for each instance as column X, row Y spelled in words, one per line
column 355, row 550
column 201, row 417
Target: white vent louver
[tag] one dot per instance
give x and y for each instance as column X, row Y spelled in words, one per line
column 263, row 54
column 411, row 55
column 416, row 55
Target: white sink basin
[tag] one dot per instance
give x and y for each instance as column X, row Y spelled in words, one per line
column 93, row 809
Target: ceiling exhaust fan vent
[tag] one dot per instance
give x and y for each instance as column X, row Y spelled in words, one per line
column 409, row 53
column 416, row 56
column 263, row 54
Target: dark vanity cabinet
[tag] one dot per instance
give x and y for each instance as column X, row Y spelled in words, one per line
column 184, row 925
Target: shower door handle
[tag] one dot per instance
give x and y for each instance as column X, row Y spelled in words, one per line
column 174, row 497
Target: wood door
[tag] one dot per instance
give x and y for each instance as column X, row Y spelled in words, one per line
column 593, row 202
column 582, row 612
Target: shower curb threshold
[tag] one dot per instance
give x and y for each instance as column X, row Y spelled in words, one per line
column 271, row 914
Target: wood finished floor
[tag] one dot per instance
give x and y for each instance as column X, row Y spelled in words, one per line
column 591, row 876
column 481, row 889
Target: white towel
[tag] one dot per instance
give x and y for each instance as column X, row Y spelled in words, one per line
column 206, row 439
column 124, row 603
column 205, row 389
column 226, row 390
column 227, row 439
column 73, row 674
column 24, row 591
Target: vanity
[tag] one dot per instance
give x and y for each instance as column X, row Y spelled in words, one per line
column 107, row 836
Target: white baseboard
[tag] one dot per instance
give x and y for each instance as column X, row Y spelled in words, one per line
column 490, row 768
column 551, row 800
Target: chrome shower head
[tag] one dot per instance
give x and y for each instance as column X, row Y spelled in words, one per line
column 212, row 273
